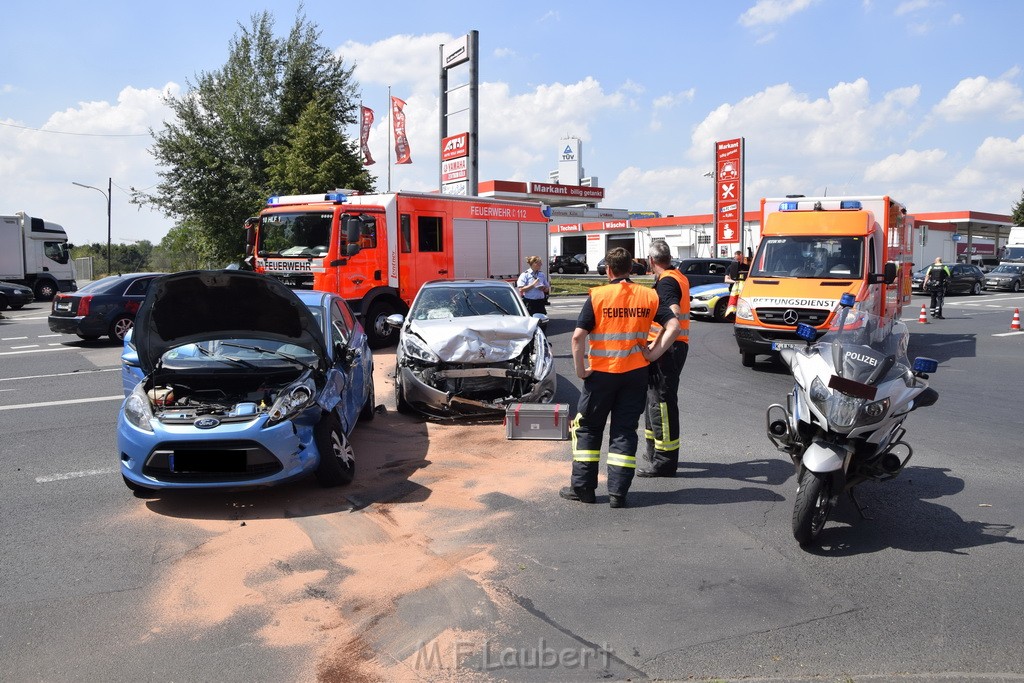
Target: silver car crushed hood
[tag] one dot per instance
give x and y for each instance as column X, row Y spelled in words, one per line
column 206, row 305
column 477, row 339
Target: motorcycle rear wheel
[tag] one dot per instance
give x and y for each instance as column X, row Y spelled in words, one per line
column 813, row 505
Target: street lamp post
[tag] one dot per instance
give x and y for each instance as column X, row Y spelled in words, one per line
column 106, row 195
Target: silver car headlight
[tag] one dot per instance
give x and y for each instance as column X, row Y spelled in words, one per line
column 137, row 409
column 744, row 311
column 292, row 400
column 544, row 358
column 418, row 349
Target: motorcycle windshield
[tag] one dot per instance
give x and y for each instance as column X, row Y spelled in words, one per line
column 866, row 348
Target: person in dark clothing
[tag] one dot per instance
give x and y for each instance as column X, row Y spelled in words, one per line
column 662, row 414
column 616, row 320
column 935, row 282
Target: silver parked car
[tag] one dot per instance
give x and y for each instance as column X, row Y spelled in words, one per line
column 469, row 348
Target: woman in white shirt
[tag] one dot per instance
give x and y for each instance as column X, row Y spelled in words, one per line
column 534, row 286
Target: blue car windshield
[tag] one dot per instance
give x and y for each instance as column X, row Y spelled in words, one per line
column 241, row 351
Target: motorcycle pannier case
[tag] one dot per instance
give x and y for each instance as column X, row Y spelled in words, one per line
column 537, row 421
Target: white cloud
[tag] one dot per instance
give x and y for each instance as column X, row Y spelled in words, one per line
column 404, row 62
column 911, row 6
column 900, row 168
column 766, row 12
column 670, row 100
column 973, row 97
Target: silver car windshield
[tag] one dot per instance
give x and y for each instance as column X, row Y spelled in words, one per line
column 438, row 303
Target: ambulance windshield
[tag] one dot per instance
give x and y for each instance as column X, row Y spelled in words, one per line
column 809, row 256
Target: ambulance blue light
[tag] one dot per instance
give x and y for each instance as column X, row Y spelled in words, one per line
column 788, row 206
column 850, row 204
column 336, row 197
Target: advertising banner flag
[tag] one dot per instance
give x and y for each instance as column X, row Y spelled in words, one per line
column 366, row 121
column 402, row 152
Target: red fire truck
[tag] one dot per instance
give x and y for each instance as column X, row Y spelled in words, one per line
column 377, row 250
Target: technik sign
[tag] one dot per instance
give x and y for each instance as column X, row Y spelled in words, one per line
column 728, row 190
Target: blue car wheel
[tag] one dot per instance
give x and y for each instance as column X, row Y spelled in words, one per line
column 337, row 459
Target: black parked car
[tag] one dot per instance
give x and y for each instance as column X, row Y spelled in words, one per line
column 963, row 279
column 14, row 295
column 1005, row 276
column 103, row 307
column 567, row 264
column 639, row 267
column 703, row 271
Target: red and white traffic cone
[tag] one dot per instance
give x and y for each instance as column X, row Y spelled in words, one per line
column 923, row 318
column 1015, row 323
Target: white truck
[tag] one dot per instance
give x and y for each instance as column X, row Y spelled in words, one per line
column 1013, row 252
column 35, row 253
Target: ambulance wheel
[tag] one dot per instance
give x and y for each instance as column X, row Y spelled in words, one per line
column 747, row 359
column 337, row 459
column 378, row 333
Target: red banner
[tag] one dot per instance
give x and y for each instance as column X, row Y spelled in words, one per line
column 366, row 116
column 402, row 153
column 729, row 190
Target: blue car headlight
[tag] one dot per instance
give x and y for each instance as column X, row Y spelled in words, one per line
column 137, row 409
column 292, row 401
column 415, row 347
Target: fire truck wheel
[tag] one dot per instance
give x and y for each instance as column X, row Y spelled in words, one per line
column 378, row 333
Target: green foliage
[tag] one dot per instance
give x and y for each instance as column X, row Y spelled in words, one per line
column 124, row 258
column 268, row 122
column 1017, row 213
column 185, row 247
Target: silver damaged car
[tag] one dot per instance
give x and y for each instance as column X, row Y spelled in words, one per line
column 469, row 348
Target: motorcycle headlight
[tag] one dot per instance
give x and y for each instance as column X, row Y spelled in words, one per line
column 137, row 409
column 744, row 311
column 292, row 400
column 843, row 409
column 819, row 394
column 875, row 411
column 418, row 349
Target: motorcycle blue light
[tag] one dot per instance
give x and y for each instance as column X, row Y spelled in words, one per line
column 806, row 332
column 788, row 206
column 847, row 300
column 850, row 204
column 926, row 365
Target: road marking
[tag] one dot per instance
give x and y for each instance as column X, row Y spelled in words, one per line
column 58, row 374
column 12, row 338
column 26, row 346
column 56, row 348
column 1009, row 334
column 50, row 335
column 48, row 404
column 76, row 475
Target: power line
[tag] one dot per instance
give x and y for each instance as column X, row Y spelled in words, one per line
column 86, row 135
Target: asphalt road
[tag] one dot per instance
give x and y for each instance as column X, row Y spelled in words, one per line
column 699, row 578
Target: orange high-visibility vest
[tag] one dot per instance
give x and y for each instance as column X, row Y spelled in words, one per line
column 684, row 309
column 623, row 312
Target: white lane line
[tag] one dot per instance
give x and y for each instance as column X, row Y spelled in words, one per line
column 58, row 374
column 15, row 353
column 12, row 338
column 1009, row 334
column 26, row 346
column 76, row 475
column 48, row 404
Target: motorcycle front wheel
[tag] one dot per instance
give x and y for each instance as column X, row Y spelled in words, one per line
column 813, row 505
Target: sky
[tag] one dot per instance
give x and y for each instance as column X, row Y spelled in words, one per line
column 922, row 100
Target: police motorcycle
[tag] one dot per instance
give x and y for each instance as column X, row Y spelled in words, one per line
column 843, row 422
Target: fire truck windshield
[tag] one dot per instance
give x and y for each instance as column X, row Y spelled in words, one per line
column 295, row 234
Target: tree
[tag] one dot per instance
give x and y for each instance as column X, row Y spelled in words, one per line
column 1017, row 213
column 184, row 247
column 229, row 146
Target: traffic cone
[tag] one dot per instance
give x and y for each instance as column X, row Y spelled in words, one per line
column 923, row 318
column 1015, row 323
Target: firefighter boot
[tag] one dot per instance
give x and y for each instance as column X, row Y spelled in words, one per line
column 578, row 494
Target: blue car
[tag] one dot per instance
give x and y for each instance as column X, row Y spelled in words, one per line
column 710, row 301
column 233, row 380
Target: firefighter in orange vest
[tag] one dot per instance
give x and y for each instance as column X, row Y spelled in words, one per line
column 662, row 415
column 617, row 318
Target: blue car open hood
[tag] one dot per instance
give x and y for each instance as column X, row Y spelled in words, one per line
column 206, row 305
